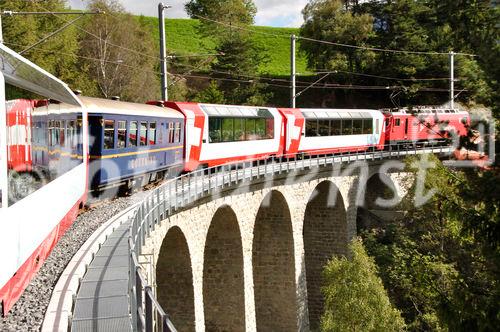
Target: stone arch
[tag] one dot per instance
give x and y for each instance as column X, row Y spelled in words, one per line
column 174, row 278
column 379, row 185
column 379, row 189
column 223, row 283
column 325, row 234
column 273, row 262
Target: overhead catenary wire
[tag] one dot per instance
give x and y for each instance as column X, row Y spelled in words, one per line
column 252, row 80
column 322, row 86
column 325, row 71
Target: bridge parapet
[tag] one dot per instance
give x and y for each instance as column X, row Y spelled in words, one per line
column 277, row 208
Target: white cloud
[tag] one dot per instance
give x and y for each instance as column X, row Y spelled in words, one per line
column 270, row 12
column 280, row 12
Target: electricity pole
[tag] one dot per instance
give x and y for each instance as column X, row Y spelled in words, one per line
column 452, row 80
column 163, row 51
column 292, row 71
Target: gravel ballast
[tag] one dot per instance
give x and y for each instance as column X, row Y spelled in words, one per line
column 28, row 312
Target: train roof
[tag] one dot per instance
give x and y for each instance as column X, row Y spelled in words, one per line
column 338, row 113
column 98, row 105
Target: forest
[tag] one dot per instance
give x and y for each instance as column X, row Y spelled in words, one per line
column 436, row 268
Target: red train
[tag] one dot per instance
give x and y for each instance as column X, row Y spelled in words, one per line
column 62, row 137
column 218, row 134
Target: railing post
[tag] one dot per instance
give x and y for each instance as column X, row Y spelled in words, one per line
column 148, row 309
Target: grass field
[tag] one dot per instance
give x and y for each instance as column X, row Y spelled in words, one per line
column 183, row 38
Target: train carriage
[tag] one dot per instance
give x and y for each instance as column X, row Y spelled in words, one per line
column 132, row 144
column 22, row 251
column 329, row 131
column 219, row 134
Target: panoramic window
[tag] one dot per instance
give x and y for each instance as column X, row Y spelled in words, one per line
column 367, row 126
column 227, row 130
column 260, row 128
column 239, row 129
column 250, row 129
column 357, row 126
column 324, row 127
column 346, row 127
column 109, row 134
column 336, row 127
column 311, row 128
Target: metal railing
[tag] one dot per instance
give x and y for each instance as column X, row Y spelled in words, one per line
column 164, row 201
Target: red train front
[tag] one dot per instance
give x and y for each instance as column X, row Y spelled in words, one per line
column 424, row 124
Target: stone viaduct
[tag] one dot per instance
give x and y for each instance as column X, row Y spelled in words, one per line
column 250, row 258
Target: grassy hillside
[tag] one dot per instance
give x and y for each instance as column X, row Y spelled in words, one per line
column 183, row 38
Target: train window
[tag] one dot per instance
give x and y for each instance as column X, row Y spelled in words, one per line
column 56, row 133
column 132, row 134
column 250, row 133
column 336, row 127
column 152, row 133
column 122, row 134
column 357, row 126
column 177, row 132
column 214, row 130
column 143, row 133
column 260, row 128
column 71, row 141
column 171, row 132
column 311, row 128
column 377, row 128
column 270, row 128
column 62, row 133
column 324, row 127
column 109, row 134
column 239, row 129
column 346, row 127
column 159, row 134
column 227, row 130
column 398, row 122
column 367, row 126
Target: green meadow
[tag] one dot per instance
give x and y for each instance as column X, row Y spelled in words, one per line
column 183, row 38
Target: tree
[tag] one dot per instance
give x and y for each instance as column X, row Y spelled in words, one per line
column 57, row 54
column 227, row 22
column 441, row 262
column 355, row 299
column 238, row 12
column 329, row 20
column 120, row 54
column 211, row 95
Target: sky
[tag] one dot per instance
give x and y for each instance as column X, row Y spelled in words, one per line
column 278, row 13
